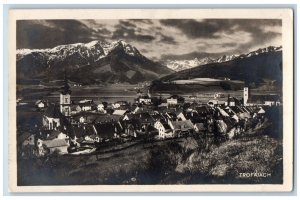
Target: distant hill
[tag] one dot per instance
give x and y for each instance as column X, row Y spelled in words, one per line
column 88, row 63
column 254, row 67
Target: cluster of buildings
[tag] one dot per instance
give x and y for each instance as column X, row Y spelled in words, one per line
column 69, row 127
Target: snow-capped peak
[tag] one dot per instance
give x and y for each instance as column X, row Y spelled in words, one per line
column 179, row 65
column 91, row 44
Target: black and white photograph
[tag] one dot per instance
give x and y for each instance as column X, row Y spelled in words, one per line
column 152, row 101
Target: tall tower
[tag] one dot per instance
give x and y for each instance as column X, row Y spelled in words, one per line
column 65, row 98
column 246, row 95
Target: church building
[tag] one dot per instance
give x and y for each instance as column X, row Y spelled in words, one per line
column 65, row 99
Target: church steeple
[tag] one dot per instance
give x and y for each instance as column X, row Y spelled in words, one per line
column 65, row 98
column 66, row 88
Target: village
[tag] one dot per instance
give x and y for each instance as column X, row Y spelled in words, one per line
column 85, row 126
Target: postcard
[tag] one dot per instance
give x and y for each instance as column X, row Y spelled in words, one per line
column 151, row 100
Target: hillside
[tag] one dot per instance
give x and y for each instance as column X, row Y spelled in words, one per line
column 93, row 62
column 254, row 67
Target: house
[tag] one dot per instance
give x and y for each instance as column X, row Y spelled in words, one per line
column 222, row 112
column 52, row 134
column 106, row 131
column 158, row 117
column 26, row 139
column 216, row 102
column 120, row 104
column 86, row 105
column 26, row 144
column 90, row 118
column 203, row 112
column 235, row 110
column 144, row 118
column 219, row 95
column 141, row 120
column 171, row 116
column 92, row 138
column 120, row 112
column 130, row 128
column 192, row 115
column 52, row 117
column 181, row 127
column 232, row 101
column 163, row 105
column 78, row 108
column 263, row 99
column 82, row 119
column 175, row 99
column 101, row 108
column 41, row 104
column 53, row 141
column 261, row 111
column 164, row 130
column 182, row 116
column 104, row 118
column 51, row 146
column 268, row 100
column 78, row 134
column 75, row 109
column 144, row 100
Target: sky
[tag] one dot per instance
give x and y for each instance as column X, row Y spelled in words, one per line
column 158, row 39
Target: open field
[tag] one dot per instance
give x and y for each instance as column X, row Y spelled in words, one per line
column 205, row 81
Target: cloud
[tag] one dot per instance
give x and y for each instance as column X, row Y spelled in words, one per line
column 157, row 38
column 193, row 28
column 127, row 23
column 190, row 56
column 254, row 32
column 103, row 31
column 145, row 21
column 208, row 28
column 50, row 33
column 125, row 32
column 167, row 39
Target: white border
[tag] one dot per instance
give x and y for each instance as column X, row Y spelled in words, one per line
column 287, row 20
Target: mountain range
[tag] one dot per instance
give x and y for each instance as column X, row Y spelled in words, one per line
column 88, row 63
column 179, row 65
column 254, row 67
column 120, row 62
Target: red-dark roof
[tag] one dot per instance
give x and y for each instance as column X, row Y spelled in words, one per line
column 53, row 112
column 105, row 130
column 55, row 143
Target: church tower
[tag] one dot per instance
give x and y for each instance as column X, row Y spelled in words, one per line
column 246, row 95
column 65, row 98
